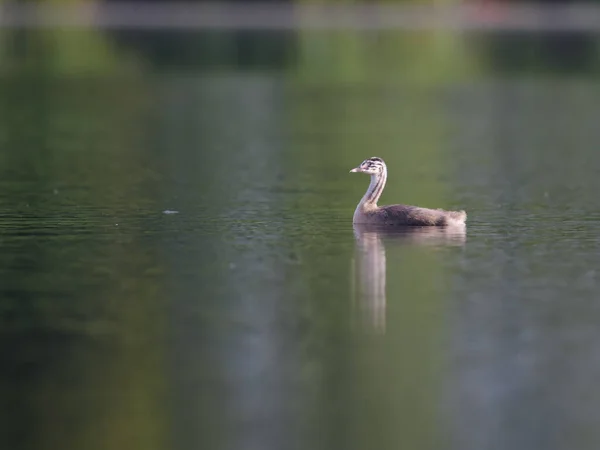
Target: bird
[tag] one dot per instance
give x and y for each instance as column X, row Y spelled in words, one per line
column 367, row 211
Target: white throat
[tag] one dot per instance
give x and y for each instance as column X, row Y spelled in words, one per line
column 369, row 201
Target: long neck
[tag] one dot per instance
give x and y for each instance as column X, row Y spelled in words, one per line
column 369, row 200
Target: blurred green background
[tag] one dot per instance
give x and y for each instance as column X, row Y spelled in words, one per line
column 178, row 265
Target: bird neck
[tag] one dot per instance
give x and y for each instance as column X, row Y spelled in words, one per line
column 369, row 200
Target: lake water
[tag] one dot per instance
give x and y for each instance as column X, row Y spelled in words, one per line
column 180, row 271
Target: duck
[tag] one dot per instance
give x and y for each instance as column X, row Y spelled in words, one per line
column 367, row 211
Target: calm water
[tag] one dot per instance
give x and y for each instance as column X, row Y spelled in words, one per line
column 179, row 269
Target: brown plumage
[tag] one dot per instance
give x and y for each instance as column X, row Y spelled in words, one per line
column 367, row 210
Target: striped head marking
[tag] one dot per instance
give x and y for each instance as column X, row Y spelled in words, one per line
column 371, row 166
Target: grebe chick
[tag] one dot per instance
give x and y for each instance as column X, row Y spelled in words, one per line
column 367, row 210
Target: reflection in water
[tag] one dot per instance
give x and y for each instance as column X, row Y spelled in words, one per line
column 369, row 263
column 369, row 269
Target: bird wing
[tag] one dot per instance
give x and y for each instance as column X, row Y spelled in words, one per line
column 412, row 215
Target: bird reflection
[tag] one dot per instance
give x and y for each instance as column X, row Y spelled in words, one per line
column 369, row 264
column 369, row 272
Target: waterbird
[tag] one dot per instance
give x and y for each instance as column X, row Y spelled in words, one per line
column 367, row 211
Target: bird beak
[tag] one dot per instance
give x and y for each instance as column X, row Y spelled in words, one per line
column 356, row 169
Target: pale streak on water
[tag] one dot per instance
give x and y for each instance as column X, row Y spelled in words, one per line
column 369, row 265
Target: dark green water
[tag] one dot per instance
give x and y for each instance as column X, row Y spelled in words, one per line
column 179, row 269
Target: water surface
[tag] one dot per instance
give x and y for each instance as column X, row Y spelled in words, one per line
column 179, row 268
